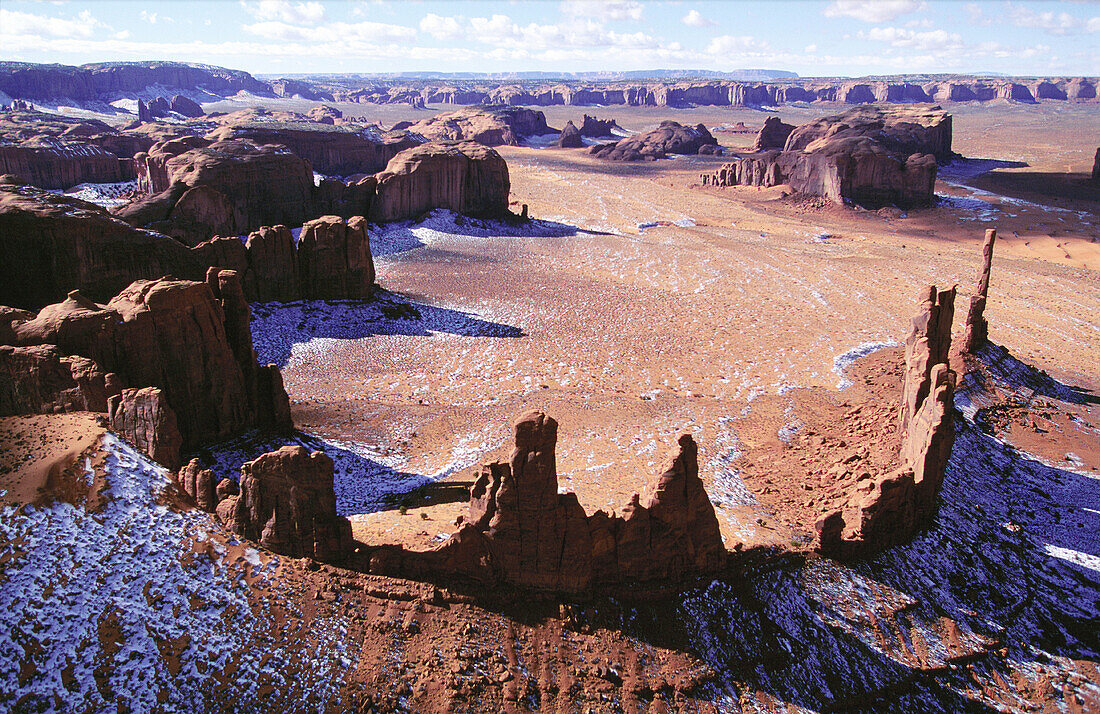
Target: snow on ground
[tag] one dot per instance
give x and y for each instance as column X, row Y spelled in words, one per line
column 139, row 607
column 391, row 238
column 108, row 195
column 842, row 361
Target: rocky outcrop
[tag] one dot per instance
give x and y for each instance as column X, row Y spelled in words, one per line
column 570, row 137
column 902, row 501
column 598, row 128
column 334, row 259
column 871, row 156
column 186, row 107
column 325, row 114
column 287, row 504
column 39, row 379
column 330, row 261
column 669, row 138
column 520, row 531
column 976, row 331
column 1096, row 166
column 199, row 484
column 489, row 125
column 173, row 335
column 223, row 188
column 336, row 150
column 466, row 177
column 51, row 244
column 143, row 417
column 773, row 135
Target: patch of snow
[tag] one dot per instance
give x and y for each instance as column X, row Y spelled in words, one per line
column 842, row 361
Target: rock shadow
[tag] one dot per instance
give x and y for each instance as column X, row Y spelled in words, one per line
column 363, row 481
column 961, row 168
column 392, row 238
column 278, row 327
column 1024, row 379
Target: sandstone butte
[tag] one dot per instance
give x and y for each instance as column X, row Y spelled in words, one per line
column 669, row 137
column 871, row 156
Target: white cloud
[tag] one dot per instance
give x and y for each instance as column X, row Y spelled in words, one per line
column 502, row 31
column 931, row 41
column 810, row 49
column 303, row 13
column 694, row 19
column 603, row 9
column 736, row 45
column 332, row 33
column 873, row 10
column 153, row 18
column 442, row 28
column 1060, row 23
column 25, row 24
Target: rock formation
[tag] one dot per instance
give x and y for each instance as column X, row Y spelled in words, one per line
column 976, row 332
column 871, row 156
column 773, row 135
column 331, row 261
column 598, row 128
column 520, row 531
column 51, row 244
column 287, row 504
column 570, row 137
column 669, row 138
column 199, row 484
column 186, row 107
column 53, row 163
column 143, row 417
column 39, row 379
column 166, row 333
column 222, row 188
column 904, row 500
column 334, row 150
column 334, row 259
column 1096, row 166
column 488, row 125
column 466, row 177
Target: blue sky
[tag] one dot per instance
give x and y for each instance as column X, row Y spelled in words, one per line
column 826, row 38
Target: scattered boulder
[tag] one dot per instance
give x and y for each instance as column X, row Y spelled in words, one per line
column 143, row 417
column 287, row 504
column 466, row 177
column 519, row 530
column 976, row 332
column 669, row 138
column 773, row 135
column 570, row 137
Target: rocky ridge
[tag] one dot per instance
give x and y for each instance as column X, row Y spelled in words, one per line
column 669, row 138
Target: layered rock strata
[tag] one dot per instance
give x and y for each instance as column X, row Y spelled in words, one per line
column 143, row 417
column 520, row 531
column 286, row 503
column 872, row 157
column 976, row 330
column 902, row 501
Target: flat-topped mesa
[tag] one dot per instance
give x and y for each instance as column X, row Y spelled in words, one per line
column 976, row 331
column 287, row 504
column 465, row 177
column 520, row 531
column 188, row 339
column 872, row 156
column 902, row 501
